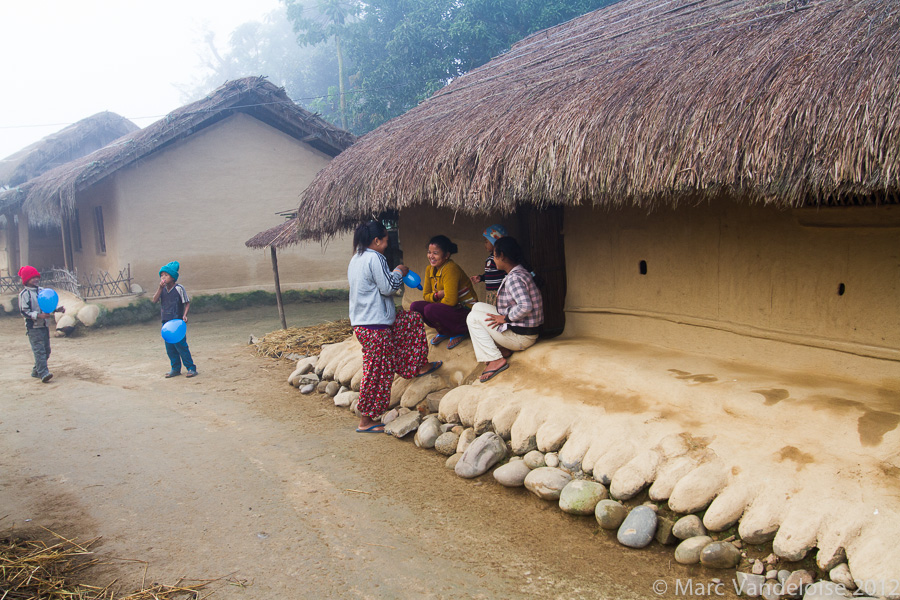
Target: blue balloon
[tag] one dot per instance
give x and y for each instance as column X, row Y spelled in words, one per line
column 413, row 280
column 174, row 331
column 48, row 300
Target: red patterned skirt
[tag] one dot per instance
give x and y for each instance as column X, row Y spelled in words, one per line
column 399, row 349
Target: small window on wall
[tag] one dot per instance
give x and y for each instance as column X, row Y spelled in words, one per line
column 101, row 235
column 75, row 229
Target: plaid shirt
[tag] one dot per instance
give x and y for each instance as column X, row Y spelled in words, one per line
column 519, row 300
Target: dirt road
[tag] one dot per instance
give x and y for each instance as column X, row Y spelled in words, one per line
column 235, row 475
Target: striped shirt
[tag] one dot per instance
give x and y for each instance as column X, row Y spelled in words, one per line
column 171, row 303
column 492, row 275
column 519, row 300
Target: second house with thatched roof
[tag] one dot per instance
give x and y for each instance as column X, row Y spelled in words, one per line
column 191, row 187
column 43, row 244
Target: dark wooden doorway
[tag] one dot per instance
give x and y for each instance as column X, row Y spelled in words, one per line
column 542, row 238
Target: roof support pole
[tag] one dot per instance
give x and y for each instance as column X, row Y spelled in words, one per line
column 278, row 287
column 64, row 227
column 12, row 245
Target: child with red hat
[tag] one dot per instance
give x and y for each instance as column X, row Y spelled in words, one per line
column 36, row 322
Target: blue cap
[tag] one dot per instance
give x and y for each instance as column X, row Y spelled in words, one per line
column 494, row 233
column 170, row 268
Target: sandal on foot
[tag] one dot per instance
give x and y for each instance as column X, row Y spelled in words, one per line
column 491, row 373
column 455, row 341
column 376, row 428
column 436, row 340
column 172, row 374
column 432, row 368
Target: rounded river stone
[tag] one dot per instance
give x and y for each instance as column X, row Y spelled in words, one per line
column 446, row 443
column 638, row 528
column 688, row 527
column 580, row 497
column 688, row 551
column 610, row 514
column 547, row 482
column 512, row 474
column 720, row 555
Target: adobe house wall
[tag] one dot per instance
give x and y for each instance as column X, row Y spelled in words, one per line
column 198, row 201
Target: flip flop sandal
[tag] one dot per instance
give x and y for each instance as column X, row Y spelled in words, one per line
column 455, row 341
column 492, row 373
column 436, row 340
column 434, row 367
column 376, row 428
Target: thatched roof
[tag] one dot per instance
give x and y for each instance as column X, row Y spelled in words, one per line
column 280, row 236
column 791, row 102
column 57, row 149
column 55, row 190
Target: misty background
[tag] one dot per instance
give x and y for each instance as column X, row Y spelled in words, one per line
column 64, row 61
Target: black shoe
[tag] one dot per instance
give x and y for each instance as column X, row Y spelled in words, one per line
column 46, row 377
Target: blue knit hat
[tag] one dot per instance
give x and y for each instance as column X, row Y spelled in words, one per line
column 494, row 233
column 170, row 268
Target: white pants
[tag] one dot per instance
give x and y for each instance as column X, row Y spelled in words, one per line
column 486, row 339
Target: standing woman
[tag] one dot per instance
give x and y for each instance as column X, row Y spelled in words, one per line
column 448, row 294
column 514, row 323
column 391, row 343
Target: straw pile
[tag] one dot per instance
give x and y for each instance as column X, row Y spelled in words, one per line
column 32, row 569
column 303, row 340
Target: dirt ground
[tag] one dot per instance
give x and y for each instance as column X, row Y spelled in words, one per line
column 235, row 476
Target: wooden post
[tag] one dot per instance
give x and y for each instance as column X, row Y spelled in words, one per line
column 64, row 226
column 278, row 287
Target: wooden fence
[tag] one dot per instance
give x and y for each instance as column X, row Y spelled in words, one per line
column 106, row 285
column 101, row 285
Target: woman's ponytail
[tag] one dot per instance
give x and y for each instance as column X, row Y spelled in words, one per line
column 365, row 234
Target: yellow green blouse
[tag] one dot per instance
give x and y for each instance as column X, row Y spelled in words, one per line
column 452, row 279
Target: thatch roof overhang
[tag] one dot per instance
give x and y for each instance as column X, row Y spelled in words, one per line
column 54, row 191
column 74, row 141
column 280, row 236
column 647, row 102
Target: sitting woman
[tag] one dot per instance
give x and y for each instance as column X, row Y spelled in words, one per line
column 514, row 323
column 448, row 294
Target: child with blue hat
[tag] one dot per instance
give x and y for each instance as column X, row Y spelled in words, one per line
column 174, row 303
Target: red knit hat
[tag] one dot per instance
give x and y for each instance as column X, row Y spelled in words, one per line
column 27, row 273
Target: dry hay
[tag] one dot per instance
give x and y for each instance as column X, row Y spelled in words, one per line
column 32, row 569
column 303, row 340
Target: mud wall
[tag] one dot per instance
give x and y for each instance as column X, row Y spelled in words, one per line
column 198, row 201
column 744, row 283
